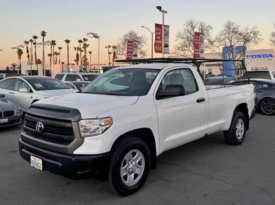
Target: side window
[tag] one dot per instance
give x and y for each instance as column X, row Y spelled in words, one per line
column 182, row 77
column 20, row 84
column 77, row 78
column 264, row 85
column 273, row 73
column 8, row 84
column 70, row 77
column 70, row 85
column 59, row 76
column 257, row 85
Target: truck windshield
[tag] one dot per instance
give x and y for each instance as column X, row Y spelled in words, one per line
column 125, row 82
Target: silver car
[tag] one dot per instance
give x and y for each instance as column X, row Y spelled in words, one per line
column 26, row 90
column 10, row 113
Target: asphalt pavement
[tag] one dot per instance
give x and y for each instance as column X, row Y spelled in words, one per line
column 206, row 171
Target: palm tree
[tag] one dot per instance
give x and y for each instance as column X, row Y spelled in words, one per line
column 109, row 53
column 27, row 50
column 50, row 56
column 62, row 65
column 52, row 47
column 59, row 48
column 80, row 42
column 77, row 55
column 67, row 41
column 35, row 57
column 85, row 46
column 43, row 34
column 114, row 55
column 13, row 66
column 31, row 41
column 90, row 52
column 56, row 54
column 19, row 53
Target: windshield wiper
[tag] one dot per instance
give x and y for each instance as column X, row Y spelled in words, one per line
column 102, row 93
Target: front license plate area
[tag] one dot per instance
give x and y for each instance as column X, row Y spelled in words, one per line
column 36, row 163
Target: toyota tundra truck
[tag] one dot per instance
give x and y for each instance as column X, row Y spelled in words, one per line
column 129, row 116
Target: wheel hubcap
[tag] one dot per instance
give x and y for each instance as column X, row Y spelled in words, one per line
column 268, row 106
column 132, row 167
column 239, row 129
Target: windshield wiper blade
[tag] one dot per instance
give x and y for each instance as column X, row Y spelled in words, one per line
column 102, row 93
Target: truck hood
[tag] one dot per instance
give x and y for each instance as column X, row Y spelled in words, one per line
column 90, row 105
column 6, row 105
column 49, row 93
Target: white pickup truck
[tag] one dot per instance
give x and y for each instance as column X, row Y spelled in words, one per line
column 127, row 117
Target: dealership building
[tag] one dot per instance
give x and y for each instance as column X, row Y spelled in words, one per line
column 255, row 60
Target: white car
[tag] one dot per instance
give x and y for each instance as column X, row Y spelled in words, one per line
column 129, row 116
column 263, row 74
column 26, row 90
column 81, row 76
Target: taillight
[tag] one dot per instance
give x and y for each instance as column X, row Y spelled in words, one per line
column 206, row 80
column 254, row 95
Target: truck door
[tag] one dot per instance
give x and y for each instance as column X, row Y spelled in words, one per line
column 182, row 118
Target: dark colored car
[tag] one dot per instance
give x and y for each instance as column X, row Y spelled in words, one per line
column 265, row 94
column 10, row 113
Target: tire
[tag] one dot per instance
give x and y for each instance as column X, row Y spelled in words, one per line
column 127, row 174
column 237, row 131
column 267, row 106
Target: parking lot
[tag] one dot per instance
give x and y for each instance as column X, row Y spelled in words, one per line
column 206, row 171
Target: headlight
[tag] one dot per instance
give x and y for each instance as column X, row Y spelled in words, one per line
column 18, row 110
column 94, row 127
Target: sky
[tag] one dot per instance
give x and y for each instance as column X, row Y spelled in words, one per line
column 110, row 19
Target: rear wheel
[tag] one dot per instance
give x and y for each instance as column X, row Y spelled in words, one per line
column 130, row 165
column 237, row 131
column 267, row 106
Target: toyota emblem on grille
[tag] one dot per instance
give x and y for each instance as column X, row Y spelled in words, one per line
column 39, row 127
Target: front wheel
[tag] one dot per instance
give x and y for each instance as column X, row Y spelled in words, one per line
column 129, row 166
column 237, row 131
column 267, row 106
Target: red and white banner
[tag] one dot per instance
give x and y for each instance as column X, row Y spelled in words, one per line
column 132, row 50
column 158, row 38
column 198, row 45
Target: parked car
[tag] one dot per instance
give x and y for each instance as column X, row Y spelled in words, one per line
column 10, row 113
column 125, row 120
column 268, row 75
column 68, row 77
column 265, row 94
column 7, row 75
column 218, row 80
column 24, row 91
column 78, row 86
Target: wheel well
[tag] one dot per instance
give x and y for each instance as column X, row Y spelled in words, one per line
column 243, row 108
column 147, row 136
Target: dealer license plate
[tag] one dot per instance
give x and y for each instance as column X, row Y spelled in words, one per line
column 36, row 163
column 4, row 120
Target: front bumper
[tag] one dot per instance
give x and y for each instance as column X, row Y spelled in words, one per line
column 64, row 164
column 253, row 114
column 13, row 120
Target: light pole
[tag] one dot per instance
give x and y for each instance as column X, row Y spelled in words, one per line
column 43, row 57
column 163, row 12
column 152, row 33
column 94, row 35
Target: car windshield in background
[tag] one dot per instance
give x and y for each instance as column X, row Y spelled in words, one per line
column 257, row 74
column 81, row 85
column 47, row 84
column 125, row 82
column 89, row 77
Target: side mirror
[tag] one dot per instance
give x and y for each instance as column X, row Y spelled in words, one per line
column 23, row 90
column 2, row 95
column 171, row 91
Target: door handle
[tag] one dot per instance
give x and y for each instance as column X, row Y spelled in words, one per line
column 11, row 93
column 200, row 100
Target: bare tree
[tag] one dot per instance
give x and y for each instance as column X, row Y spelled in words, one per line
column 131, row 35
column 233, row 35
column 272, row 37
column 185, row 38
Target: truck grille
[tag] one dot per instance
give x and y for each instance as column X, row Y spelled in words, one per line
column 8, row 113
column 57, row 131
